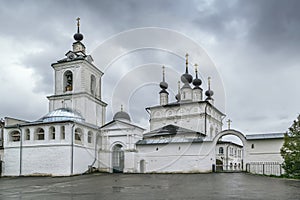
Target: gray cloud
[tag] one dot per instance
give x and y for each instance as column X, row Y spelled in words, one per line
column 254, row 44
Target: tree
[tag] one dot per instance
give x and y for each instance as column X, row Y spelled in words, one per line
column 290, row 150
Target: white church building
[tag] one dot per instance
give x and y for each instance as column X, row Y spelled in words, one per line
column 74, row 138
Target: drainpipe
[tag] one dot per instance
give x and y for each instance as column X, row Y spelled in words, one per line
column 205, row 114
column 95, row 159
column 72, row 149
column 21, row 148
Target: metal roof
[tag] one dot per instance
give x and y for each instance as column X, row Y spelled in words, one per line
column 265, row 136
column 169, row 140
column 170, row 130
column 62, row 114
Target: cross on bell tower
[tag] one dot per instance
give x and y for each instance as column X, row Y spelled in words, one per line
column 228, row 123
column 78, row 46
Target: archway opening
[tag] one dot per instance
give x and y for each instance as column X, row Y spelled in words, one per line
column 229, row 152
column 142, row 166
column 118, row 159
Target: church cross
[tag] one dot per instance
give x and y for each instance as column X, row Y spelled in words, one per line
column 228, row 122
column 78, row 21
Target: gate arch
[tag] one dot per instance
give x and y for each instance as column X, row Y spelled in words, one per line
column 240, row 135
column 117, row 158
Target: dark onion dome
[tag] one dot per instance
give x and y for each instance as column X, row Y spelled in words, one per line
column 163, row 85
column 186, row 78
column 62, row 114
column 197, row 82
column 121, row 115
column 209, row 93
column 78, row 37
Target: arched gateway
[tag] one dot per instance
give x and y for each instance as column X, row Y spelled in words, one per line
column 241, row 137
column 117, row 158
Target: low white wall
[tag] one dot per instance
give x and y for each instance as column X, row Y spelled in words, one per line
column 83, row 158
column 178, row 157
column 265, row 150
column 42, row 160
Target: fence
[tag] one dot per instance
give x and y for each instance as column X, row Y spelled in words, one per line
column 265, row 168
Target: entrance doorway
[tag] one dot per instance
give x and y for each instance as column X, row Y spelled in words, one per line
column 229, row 151
column 142, row 166
column 118, row 159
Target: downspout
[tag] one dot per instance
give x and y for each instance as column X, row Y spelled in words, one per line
column 205, row 114
column 21, row 148
column 72, row 149
column 95, row 159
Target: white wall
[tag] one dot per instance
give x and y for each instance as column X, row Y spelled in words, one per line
column 83, row 158
column 266, row 150
column 177, row 157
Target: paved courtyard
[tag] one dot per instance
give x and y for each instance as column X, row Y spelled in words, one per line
column 150, row 186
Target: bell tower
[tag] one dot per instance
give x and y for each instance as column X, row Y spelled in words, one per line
column 77, row 83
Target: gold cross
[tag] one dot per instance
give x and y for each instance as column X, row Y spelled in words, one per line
column 208, row 82
column 163, row 69
column 196, row 67
column 229, row 122
column 187, row 58
column 78, row 21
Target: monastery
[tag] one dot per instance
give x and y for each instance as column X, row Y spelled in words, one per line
column 185, row 136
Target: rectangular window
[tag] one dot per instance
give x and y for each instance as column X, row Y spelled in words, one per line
column 27, row 136
column 89, row 138
column 40, row 136
column 62, row 133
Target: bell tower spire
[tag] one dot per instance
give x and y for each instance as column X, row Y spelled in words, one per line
column 78, row 46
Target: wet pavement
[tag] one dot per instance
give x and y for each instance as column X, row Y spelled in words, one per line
column 150, row 186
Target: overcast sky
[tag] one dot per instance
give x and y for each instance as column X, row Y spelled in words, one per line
column 251, row 51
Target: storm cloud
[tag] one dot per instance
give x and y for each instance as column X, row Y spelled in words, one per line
column 253, row 44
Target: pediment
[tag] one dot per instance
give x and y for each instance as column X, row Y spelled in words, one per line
column 118, row 125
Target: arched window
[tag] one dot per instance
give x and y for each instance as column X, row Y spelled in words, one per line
column 93, row 84
column 78, row 136
column 52, row 133
column 40, row 134
column 15, row 136
column 62, row 133
column 221, row 150
column 27, row 134
column 90, row 137
column 68, row 81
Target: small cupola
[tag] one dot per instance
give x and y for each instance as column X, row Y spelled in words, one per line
column 186, row 78
column 209, row 93
column 163, row 94
column 197, row 90
column 122, row 116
